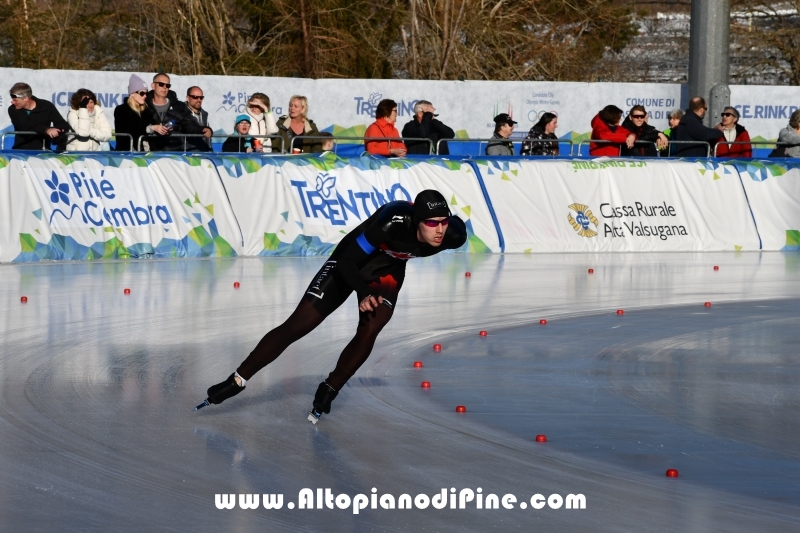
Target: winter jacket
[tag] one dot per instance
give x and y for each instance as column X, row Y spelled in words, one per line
column 691, row 129
column 39, row 119
column 604, row 132
column 645, row 133
column 129, row 122
column 382, row 128
column 428, row 128
column 790, row 136
column 91, row 129
column 179, row 116
column 312, row 146
column 735, row 150
column 540, row 148
column 198, row 144
column 238, row 143
column 264, row 124
column 501, row 146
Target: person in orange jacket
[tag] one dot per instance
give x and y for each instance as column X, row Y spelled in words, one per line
column 385, row 118
column 734, row 133
column 605, row 127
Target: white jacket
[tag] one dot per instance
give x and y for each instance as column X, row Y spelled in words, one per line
column 91, row 129
column 263, row 125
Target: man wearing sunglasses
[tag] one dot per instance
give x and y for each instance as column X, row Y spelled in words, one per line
column 170, row 116
column 194, row 101
column 651, row 140
column 691, row 129
column 370, row 261
column 28, row 113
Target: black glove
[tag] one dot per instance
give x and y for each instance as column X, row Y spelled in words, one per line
column 84, row 102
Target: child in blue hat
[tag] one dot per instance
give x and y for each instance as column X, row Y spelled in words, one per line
column 240, row 142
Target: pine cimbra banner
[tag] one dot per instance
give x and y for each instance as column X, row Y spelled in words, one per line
column 76, row 207
column 304, row 205
column 620, row 205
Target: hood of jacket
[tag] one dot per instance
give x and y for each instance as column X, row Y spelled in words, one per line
column 600, row 124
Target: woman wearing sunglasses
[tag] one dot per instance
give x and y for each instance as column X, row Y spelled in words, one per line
column 370, row 261
column 90, row 128
column 734, row 133
column 132, row 116
column 262, row 120
column 651, row 139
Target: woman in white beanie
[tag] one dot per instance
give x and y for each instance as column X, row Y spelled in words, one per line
column 88, row 122
column 132, row 116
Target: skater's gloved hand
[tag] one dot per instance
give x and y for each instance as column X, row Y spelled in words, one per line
column 370, row 303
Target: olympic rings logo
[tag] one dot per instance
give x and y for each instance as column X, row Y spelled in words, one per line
column 534, row 116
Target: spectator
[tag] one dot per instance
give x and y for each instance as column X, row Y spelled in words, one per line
column 385, row 118
column 240, row 142
column 425, row 126
column 169, row 115
column 544, row 129
column 328, row 142
column 674, row 118
column 734, row 133
column 503, row 126
column 606, row 127
column 262, row 120
column 791, row 136
column 132, row 116
column 297, row 125
column 28, row 113
column 691, row 128
column 651, row 140
column 194, row 101
column 88, row 122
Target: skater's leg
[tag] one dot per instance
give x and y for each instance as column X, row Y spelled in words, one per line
column 358, row 349
column 304, row 319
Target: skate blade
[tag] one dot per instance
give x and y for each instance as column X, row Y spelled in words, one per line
column 313, row 418
column 205, row 402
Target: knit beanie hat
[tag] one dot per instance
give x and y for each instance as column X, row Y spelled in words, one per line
column 430, row 204
column 242, row 118
column 136, row 84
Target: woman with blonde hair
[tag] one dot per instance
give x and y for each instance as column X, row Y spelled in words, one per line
column 132, row 117
column 297, row 124
column 262, row 120
column 89, row 124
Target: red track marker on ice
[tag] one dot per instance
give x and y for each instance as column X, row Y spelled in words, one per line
column 467, row 274
column 707, row 304
column 24, row 299
column 716, row 267
column 483, row 333
column 541, row 438
column 543, row 322
column 426, row 385
column 672, row 473
column 417, row 364
column 620, row 312
column 461, row 409
column 235, row 284
column 437, row 347
column 127, row 291
column 591, row 271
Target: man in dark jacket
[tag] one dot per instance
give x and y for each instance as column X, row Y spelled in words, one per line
column 28, row 113
column 170, row 116
column 691, row 129
column 194, row 101
column 650, row 140
column 424, row 126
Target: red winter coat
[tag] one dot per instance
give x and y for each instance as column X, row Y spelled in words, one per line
column 603, row 132
column 382, row 128
column 736, row 150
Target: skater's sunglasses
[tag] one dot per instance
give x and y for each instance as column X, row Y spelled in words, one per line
column 435, row 223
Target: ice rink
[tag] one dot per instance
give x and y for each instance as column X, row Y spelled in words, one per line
column 97, row 389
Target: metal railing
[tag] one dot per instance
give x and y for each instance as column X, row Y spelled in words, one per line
column 186, row 136
column 514, row 141
column 749, row 143
column 695, row 143
column 15, row 133
column 359, row 140
column 71, row 134
column 621, row 145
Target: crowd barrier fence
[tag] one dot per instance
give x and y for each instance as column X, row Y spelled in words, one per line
column 120, row 205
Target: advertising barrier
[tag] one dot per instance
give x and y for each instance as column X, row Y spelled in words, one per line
column 87, row 207
column 304, row 205
column 619, row 205
column 773, row 192
column 74, row 207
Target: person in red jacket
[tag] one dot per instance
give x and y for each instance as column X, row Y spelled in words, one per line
column 734, row 133
column 386, row 116
column 605, row 127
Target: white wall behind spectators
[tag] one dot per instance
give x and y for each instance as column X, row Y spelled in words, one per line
column 465, row 106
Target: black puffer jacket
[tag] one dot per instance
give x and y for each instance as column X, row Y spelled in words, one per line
column 39, row 119
column 645, row 133
column 182, row 122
